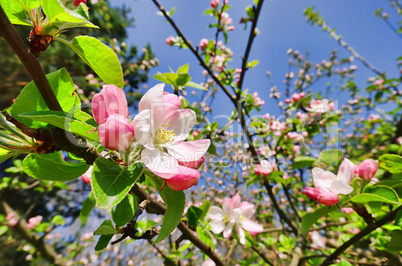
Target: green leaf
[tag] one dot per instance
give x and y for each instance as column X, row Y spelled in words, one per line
column 87, row 207
column 205, row 209
column 58, row 14
column 193, row 215
column 125, row 210
column 302, row 161
column 64, row 121
column 168, row 78
column 30, row 100
column 196, row 86
column 183, row 69
column 111, row 182
column 103, row 242
column 31, row 4
column 6, row 154
column 52, row 167
column 100, row 58
column 206, row 237
column 16, row 12
column 391, row 162
column 310, row 218
column 377, row 193
column 3, row 229
column 175, row 202
column 252, row 63
column 106, row 228
column 331, row 157
column 395, row 245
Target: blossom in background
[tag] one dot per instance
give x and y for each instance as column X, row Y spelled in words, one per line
column 161, row 127
column 320, row 106
column 317, row 240
column 367, row 169
column 234, row 213
column 328, row 185
column 264, row 168
column 34, row 221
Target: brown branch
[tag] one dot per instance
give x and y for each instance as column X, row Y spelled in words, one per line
column 158, row 208
column 21, row 227
column 30, row 62
column 370, row 228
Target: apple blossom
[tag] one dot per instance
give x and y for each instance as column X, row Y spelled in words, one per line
column 264, row 168
column 116, row 133
column 111, row 100
column 185, row 179
column 234, row 213
column 328, row 185
column 162, row 131
column 367, row 169
column 33, row 221
column 203, row 44
column 320, row 106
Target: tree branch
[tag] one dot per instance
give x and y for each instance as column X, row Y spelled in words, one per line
column 21, row 227
column 158, row 208
column 30, row 62
column 370, row 228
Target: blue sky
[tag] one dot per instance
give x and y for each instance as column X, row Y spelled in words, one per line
column 282, row 26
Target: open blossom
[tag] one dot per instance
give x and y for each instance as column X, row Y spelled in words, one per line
column 111, row 100
column 264, row 168
column 234, row 213
column 320, row 106
column 328, row 185
column 161, row 127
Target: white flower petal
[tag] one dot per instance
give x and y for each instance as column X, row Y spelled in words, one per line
column 322, row 179
column 153, row 100
column 186, row 151
column 251, row 227
column 241, row 234
column 143, row 129
column 181, row 121
column 341, row 187
column 216, row 215
column 160, row 163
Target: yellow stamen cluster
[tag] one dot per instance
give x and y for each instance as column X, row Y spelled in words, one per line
column 163, row 135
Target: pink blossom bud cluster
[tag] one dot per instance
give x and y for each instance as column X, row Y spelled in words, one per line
column 264, row 168
column 257, row 100
column 328, row 186
column 34, row 221
column 171, row 40
column 295, row 97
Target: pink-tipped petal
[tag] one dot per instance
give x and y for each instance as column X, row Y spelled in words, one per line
column 241, row 234
column 252, row 227
column 160, row 163
column 115, row 100
column 187, row 151
column 328, row 198
column 341, row 187
column 311, row 192
column 322, row 179
column 172, row 102
column 346, row 171
column 186, row 178
column 235, row 201
column 99, row 111
column 193, row 164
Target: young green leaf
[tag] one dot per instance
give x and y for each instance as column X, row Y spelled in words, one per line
column 310, row 218
column 30, row 99
column 103, row 242
column 63, row 121
column 331, row 157
column 111, row 182
column 193, row 215
column 87, row 207
column 391, row 162
column 125, row 210
column 377, row 193
column 175, row 202
column 16, row 12
column 51, row 166
column 99, row 57
column 106, row 228
column 302, row 161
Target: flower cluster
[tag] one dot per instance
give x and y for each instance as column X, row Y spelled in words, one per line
column 327, row 186
column 157, row 133
column 234, row 213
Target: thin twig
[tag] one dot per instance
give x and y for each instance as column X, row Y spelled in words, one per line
column 370, row 228
column 194, row 51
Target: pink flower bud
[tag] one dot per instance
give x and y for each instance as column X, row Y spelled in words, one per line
column 287, row 100
column 117, row 133
column 367, row 169
column 86, row 177
column 327, row 198
column 332, row 106
column 214, row 3
column 301, row 95
column 170, row 40
column 185, row 179
column 193, row 164
column 311, row 192
column 203, row 44
column 347, row 210
column 295, row 97
column 111, row 100
column 231, row 28
column 33, row 221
